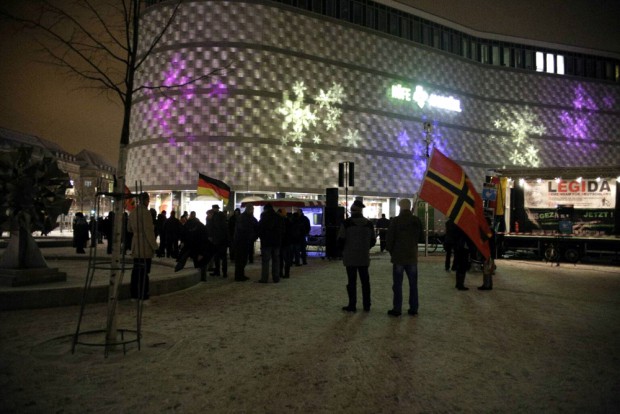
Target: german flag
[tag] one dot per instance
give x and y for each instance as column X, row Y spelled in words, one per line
column 212, row 187
column 447, row 188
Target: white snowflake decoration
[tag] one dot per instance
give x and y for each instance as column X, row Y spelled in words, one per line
column 332, row 119
column 352, row 137
column 299, row 89
column 520, row 127
column 314, row 157
column 299, row 118
column 517, row 158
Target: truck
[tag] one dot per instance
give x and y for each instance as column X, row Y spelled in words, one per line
column 567, row 214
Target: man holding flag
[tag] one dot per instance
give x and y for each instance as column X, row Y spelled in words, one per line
column 217, row 227
column 447, row 188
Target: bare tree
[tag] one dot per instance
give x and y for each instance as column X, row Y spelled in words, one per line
column 100, row 43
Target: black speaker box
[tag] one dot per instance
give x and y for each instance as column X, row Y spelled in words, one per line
column 331, row 197
column 334, row 216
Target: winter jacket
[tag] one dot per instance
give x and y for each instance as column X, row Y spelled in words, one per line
column 402, row 238
column 217, row 227
column 356, row 236
column 271, row 229
column 140, row 223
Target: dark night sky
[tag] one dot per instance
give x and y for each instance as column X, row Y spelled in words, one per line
column 39, row 99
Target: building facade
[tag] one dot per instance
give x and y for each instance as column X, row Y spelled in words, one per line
column 294, row 90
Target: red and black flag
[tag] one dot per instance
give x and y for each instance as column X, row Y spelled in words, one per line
column 130, row 201
column 212, row 187
column 447, row 188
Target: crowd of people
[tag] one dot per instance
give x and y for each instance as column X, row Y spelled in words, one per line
column 283, row 244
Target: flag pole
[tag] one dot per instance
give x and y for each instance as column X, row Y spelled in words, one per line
column 428, row 129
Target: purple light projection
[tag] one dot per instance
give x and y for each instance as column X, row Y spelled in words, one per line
column 418, row 147
column 575, row 124
column 177, row 88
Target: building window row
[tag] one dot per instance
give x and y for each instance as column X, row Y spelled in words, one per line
column 395, row 22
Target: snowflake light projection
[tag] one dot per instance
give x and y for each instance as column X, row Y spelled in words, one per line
column 352, row 137
column 301, row 120
column 520, row 126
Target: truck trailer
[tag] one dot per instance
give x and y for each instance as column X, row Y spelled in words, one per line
column 559, row 214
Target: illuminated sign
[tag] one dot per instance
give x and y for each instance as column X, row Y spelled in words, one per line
column 587, row 194
column 423, row 98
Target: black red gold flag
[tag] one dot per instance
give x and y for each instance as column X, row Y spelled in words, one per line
column 212, row 187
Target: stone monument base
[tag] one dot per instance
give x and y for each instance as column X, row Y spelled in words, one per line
column 32, row 276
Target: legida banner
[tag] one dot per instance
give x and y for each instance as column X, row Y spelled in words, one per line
column 584, row 194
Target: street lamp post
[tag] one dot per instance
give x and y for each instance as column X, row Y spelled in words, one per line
column 428, row 130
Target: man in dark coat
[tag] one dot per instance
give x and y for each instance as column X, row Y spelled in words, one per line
column 246, row 233
column 196, row 245
column 286, row 249
column 80, row 232
column 172, row 230
column 402, row 243
column 356, row 237
column 271, row 232
column 382, row 225
column 463, row 249
column 217, row 228
column 160, row 222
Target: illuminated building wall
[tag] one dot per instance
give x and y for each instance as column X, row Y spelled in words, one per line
column 303, row 93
